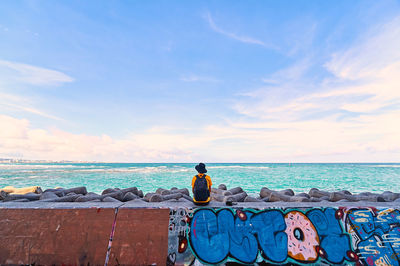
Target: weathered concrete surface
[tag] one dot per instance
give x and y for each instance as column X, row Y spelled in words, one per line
column 79, row 236
column 60, row 236
column 141, row 237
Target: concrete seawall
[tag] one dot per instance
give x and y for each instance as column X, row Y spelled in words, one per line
column 169, row 233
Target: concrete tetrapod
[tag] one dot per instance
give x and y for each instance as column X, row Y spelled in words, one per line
column 163, row 191
column 149, row 195
column 236, row 198
column 62, row 192
column 48, row 195
column 68, row 198
column 217, row 197
column 184, row 191
column 251, row 199
column 299, row 199
column 337, row 196
column 129, row 196
column 266, row 192
column 235, row 190
column 222, row 192
column 222, row 187
column 28, row 196
column 110, row 199
column 158, row 198
column 117, row 195
column 315, row 192
column 390, row 196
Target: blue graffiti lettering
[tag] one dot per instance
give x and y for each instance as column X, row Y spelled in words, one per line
column 243, row 243
column 217, row 235
column 379, row 234
column 270, row 227
column 209, row 233
column 333, row 242
column 236, row 237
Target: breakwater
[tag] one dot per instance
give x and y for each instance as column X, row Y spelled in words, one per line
column 220, row 194
column 73, row 226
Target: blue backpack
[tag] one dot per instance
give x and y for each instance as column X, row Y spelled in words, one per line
column 201, row 192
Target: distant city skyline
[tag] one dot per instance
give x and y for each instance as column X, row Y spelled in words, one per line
column 211, row 81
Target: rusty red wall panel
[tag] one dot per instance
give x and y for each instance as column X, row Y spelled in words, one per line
column 80, row 236
column 141, row 237
column 54, row 236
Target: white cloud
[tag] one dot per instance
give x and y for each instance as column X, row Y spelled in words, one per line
column 352, row 117
column 371, row 56
column 32, row 74
column 155, row 145
column 291, row 74
column 365, row 83
column 300, row 141
column 15, row 75
column 235, row 36
column 18, row 103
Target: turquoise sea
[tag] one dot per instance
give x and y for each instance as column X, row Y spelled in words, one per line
column 251, row 177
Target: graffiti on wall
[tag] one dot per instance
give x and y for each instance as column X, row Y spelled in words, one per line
column 178, row 245
column 376, row 235
column 302, row 236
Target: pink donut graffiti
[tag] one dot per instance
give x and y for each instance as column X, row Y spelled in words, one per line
column 303, row 239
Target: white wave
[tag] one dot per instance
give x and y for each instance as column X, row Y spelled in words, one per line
column 34, row 176
column 385, row 166
column 238, row 166
column 24, row 177
column 149, row 169
column 14, row 177
column 45, row 166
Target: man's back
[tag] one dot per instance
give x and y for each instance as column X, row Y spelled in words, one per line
column 201, row 186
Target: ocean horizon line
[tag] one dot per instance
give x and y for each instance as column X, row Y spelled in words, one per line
column 9, row 160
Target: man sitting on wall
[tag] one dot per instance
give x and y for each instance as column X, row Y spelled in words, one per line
column 201, row 185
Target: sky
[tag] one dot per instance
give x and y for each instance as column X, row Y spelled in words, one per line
column 190, row 81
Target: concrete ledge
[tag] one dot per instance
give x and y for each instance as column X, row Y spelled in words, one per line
column 58, row 205
column 174, row 205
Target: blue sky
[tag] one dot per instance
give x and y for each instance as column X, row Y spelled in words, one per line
column 216, row 81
